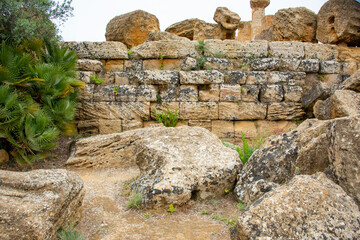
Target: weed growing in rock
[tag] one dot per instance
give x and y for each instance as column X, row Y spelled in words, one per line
column 95, row 79
column 161, row 62
column 167, row 118
column 135, row 200
column 171, row 208
column 230, row 222
column 214, row 202
column 240, row 206
column 219, row 54
column 227, row 191
column 116, row 89
column 127, row 186
column 69, row 233
column 200, row 63
column 205, row 212
column 201, row 47
column 147, row 215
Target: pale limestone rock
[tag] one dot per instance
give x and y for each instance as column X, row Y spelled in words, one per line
column 244, row 31
column 168, row 48
column 258, row 78
column 146, row 93
column 349, row 68
column 235, row 77
column 242, row 111
column 330, row 67
column 188, row 64
column 201, row 77
column 158, row 36
column 271, row 93
column 259, row 3
column 36, row 204
column 322, row 109
column 207, row 124
column 104, row 93
column 285, row 111
column 352, row 83
column 338, row 22
column 230, row 92
column 125, row 93
column 264, row 64
column 89, row 65
column 226, row 18
column 186, row 28
column 293, row 93
column 188, row 93
column 99, row 50
column 199, row 110
column 235, row 49
column 223, row 129
column 132, row 28
column 209, row 93
column 109, row 126
column 324, row 52
column 220, row 64
column 162, row 107
column 287, row 49
column 345, row 103
column 319, row 91
column 270, row 128
column 86, row 93
column 85, row 76
column 168, row 93
column 309, row 65
column 157, row 77
column 308, row 207
column 127, row 125
column 248, row 128
column 295, row 24
column 258, row 14
column 250, row 93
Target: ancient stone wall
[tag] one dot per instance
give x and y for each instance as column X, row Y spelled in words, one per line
column 227, row 86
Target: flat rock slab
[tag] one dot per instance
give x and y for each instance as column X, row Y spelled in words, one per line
column 34, row 205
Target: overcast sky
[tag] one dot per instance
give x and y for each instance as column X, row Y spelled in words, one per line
column 92, row 16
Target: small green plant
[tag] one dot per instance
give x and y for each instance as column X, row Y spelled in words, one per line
column 297, row 170
column 200, row 63
column 130, row 51
column 167, row 118
column 219, row 54
column 240, row 206
column 135, row 200
column 158, row 99
column 127, row 186
column 243, row 91
column 95, row 79
column 201, row 47
column 214, row 202
column 230, row 222
column 204, row 212
column 116, row 89
column 147, row 215
column 227, row 191
column 161, row 62
column 69, row 233
column 171, row 208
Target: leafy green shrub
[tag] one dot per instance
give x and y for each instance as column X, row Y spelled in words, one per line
column 167, row 118
column 38, row 90
column 69, row 233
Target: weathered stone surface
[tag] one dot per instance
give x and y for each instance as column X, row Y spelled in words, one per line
column 258, row 15
column 322, row 109
column 168, row 93
column 236, row 49
column 168, row 48
column 201, row 77
column 164, row 64
column 264, row 64
column 158, row 36
column 157, row 77
column 293, row 93
column 308, row 207
column 201, row 123
column 309, row 65
column 241, row 111
column 330, row 67
column 89, row 65
column 132, row 28
column 146, row 93
column 125, row 93
column 132, row 65
column 319, row 91
column 266, row 34
column 349, row 54
column 289, row 64
column 345, row 103
column 223, row 129
column 338, row 22
column 295, row 24
column 289, row 78
column 188, row 93
column 85, row 76
column 127, row 125
column 352, row 83
column 270, row 128
column 244, row 31
column 250, row 93
column 349, row 68
column 235, row 77
column 184, row 28
column 271, row 93
column 324, row 52
column 259, row 3
column 99, row 50
column 123, row 78
column 35, row 204
column 86, row 93
column 285, row 111
column 4, row 156
column 104, row 93
column 219, row 64
column 109, row 126
column 88, row 127
column 230, row 92
column 209, row 93
column 258, row 78
column 188, row 64
column 226, row 18
column 248, row 128
column 162, row 107
column 287, row 49
column 344, row 156
column 199, row 110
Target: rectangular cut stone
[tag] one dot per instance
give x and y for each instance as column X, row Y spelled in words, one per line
column 125, row 93
column 99, row 50
column 86, row 93
column 230, row 92
column 175, row 49
column 114, row 110
column 114, row 66
column 201, row 123
column 242, row 111
column 209, row 93
column 235, row 77
column 168, row 93
column 109, row 126
column 133, row 65
column 104, row 93
column 289, row 78
column 250, row 93
column 330, row 67
column 324, row 52
column 122, row 78
column 289, row 64
column 85, row 76
column 309, row 65
column 350, row 68
column 349, row 54
column 269, row 128
column 223, row 129
column 162, row 107
column 285, row 111
column 257, row 78
column 201, row 77
column 157, row 77
column 293, row 93
column 235, row 49
column 146, row 93
column 188, row 93
column 89, row 65
column 88, row 127
column 107, row 77
column 248, row 128
column 165, row 64
column 287, row 49
column 219, row 64
column 271, row 93
column 199, row 110
column 264, row 64
column 131, row 124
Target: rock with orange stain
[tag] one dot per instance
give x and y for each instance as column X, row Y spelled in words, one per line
column 132, row 28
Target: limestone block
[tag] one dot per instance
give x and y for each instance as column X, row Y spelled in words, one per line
column 165, row 64
column 188, row 64
column 133, row 65
column 157, row 77
column 323, row 52
column 235, row 49
column 235, row 77
column 123, row 78
column 207, row 124
column 292, row 93
column 352, row 83
column 226, row 18
column 168, row 48
column 289, row 78
column 289, row 64
column 248, row 128
column 250, row 93
column 127, row 125
column 318, row 92
column 322, row 109
column 270, row 128
column 199, row 110
column 99, row 50
column 230, row 92
column 331, row 81
column 257, row 78
column 162, row 107
column 104, row 93
column 89, row 65
column 86, row 93
column 209, row 93
column 287, row 49
column 349, row 68
column 244, row 31
column 264, row 64
column 349, row 54
column 223, row 129
column 188, row 93
column 88, row 127
column 186, row 28
column 242, row 111
column 114, row 66
column 271, row 93
column 219, row 64
column 259, row 3
column 146, row 93
column 109, row 126
column 85, row 76
column 126, row 93
column 309, row 65
column 285, row 111
column 330, row 67
column 107, row 77
column 345, row 103
column 201, row 77
column 168, row 93
column 158, row 36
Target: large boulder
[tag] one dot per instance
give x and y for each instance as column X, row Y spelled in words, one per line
column 345, row 103
column 339, row 22
column 176, row 164
column 34, row 205
column 132, row 28
column 158, row 36
column 308, row 207
column 186, row 28
column 294, row 24
column 226, row 18
column 352, row 83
